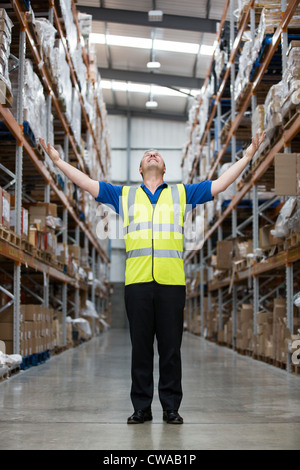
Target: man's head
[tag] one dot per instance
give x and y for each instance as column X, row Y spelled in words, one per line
column 152, row 161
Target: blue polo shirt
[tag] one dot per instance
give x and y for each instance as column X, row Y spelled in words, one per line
column 197, row 193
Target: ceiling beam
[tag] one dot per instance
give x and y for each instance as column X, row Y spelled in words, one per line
column 186, row 23
column 151, row 77
column 140, row 113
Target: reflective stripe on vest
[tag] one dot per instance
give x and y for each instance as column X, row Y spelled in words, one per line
column 153, row 235
column 156, row 253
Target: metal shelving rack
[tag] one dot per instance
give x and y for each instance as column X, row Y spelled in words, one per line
column 258, row 282
column 54, row 284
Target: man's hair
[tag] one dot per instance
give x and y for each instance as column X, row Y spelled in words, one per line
column 151, row 150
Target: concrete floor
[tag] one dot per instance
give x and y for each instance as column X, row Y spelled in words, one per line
column 80, row 400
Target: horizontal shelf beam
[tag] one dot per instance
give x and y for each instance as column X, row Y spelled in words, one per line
column 186, row 23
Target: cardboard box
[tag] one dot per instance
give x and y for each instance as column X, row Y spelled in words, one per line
column 9, row 347
column 287, row 174
column 6, row 331
column 39, row 212
column 31, row 312
column 266, row 239
column 74, row 251
column 224, row 254
column 5, row 209
column 7, row 315
column 43, row 209
column 24, row 221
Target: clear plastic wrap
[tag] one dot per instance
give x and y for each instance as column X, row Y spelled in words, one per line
column 62, row 77
column 46, row 34
column 89, row 310
column 245, row 65
column 281, row 229
column 258, row 120
column 297, row 299
column 273, row 116
column 71, row 31
column 5, row 41
column 34, row 100
column 10, row 359
column 76, row 116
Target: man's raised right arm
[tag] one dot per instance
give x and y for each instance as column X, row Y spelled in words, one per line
column 76, row 176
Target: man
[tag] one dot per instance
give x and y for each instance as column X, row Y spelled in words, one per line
column 153, row 218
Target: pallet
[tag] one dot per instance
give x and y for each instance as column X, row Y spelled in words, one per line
column 6, row 97
column 4, row 373
column 274, row 250
column 10, row 236
column 293, row 240
column 26, row 246
column 58, row 349
column 35, row 359
column 274, row 139
column 295, row 368
column 242, row 96
column 29, row 134
column 240, row 265
column 290, row 116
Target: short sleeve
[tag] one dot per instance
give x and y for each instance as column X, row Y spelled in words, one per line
column 109, row 194
column 198, row 193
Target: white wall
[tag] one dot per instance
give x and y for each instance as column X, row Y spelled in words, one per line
column 167, row 137
column 145, row 133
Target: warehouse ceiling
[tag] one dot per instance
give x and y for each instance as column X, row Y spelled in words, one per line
column 125, row 41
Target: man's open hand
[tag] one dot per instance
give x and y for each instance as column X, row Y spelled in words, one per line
column 50, row 150
column 255, row 144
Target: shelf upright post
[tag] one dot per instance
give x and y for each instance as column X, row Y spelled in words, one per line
column 289, row 305
column 220, row 291
column 65, row 243
column 98, row 274
column 233, row 160
column 209, row 252
column 289, row 267
column 255, row 220
column 18, row 194
column 77, row 240
column 202, row 290
column 93, row 284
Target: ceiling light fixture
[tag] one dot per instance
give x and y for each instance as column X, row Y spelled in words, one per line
column 155, row 15
column 153, row 65
column 151, row 104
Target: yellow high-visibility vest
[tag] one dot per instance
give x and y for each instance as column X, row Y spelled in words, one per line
column 154, row 236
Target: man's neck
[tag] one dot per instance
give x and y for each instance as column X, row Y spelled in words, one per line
column 152, row 182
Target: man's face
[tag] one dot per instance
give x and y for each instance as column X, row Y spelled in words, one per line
column 152, row 159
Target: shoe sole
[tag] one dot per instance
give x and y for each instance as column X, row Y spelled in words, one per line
column 138, row 422
column 172, row 422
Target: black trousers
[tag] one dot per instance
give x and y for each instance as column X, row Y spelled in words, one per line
column 155, row 310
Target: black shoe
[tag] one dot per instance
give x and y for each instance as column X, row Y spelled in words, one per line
column 140, row 416
column 172, row 417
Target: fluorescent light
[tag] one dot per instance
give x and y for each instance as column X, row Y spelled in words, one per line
column 206, row 50
column 151, row 104
column 145, row 43
column 96, row 38
column 146, row 89
column 153, row 65
column 174, row 46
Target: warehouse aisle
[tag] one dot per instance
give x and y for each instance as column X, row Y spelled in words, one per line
column 80, row 400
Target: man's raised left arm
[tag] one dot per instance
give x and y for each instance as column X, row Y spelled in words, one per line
column 229, row 176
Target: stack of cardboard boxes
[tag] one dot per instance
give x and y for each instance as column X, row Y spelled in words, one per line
column 244, row 327
column 42, row 223
column 4, row 208
column 36, row 329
